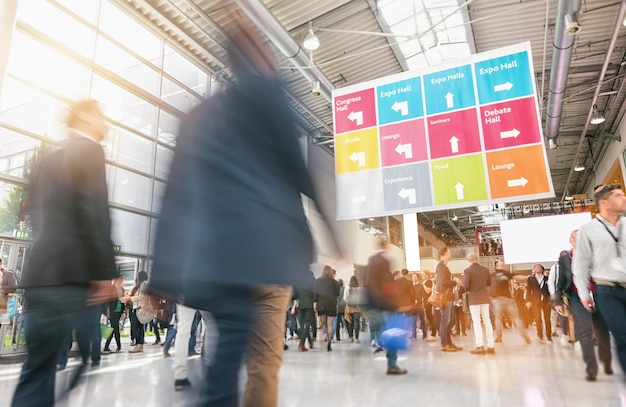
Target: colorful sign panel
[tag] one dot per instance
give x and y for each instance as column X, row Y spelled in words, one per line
column 462, row 134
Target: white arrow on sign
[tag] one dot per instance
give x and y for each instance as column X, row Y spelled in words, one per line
column 503, row 86
column 360, row 157
column 359, row 199
column 449, row 100
column 510, row 133
column 408, row 193
column 454, row 144
column 406, row 149
column 459, row 191
column 356, row 117
column 519, row 182
column 403, row 107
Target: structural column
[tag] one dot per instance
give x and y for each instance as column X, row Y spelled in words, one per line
column 8, row 12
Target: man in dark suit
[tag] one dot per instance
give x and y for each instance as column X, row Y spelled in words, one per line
column 476, row 280
column 71, row 262
column 539, row 296
column 233, row 210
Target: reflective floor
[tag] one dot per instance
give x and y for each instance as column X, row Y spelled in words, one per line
column 537, row 375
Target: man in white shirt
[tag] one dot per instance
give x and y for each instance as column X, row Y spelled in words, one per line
column 599, row 258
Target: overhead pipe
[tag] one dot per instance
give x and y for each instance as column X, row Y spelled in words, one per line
column 605, row 66
column 455, row 228
column 273, row 29
column 562, row 46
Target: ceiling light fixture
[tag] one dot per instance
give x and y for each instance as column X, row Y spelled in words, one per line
column 579, row 165
column 454, row 217
column 311, row 42
column 596, row 118
column 568, row 197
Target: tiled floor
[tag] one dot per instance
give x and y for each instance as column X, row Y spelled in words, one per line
column 537, row 375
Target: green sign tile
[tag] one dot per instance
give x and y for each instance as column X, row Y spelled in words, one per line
column 459, row 179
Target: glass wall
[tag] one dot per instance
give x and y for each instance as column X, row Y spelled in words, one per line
column 64, row 50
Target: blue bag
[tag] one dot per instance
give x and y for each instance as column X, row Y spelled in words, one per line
column 396, row 332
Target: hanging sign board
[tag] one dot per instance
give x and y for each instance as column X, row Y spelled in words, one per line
column 461, row 134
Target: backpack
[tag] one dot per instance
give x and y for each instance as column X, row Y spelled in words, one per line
column 357, row 296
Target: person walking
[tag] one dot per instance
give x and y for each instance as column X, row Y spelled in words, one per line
column 599, row 258
column 71, row 264
column 233, row 209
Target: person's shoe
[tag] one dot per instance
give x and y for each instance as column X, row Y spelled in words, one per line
column 478, row 351
column 540, row 339
column 351, row 340
column 490, row 351
column 133, row 343
column 498, row 340
column 458, row 348
column 181, row 384
column 378, row 349
column 194, row 353
column 157, row 342
column 449, row 348
column 95, row 363
column 136, row 349
column 285, row 347
column 106, row 350
column 166, row 352
column 302, row 348
column 118, row 350
column 357, row 341
column 549, row 339
column 328, row 347
column 591, row 377
column 608, row 369
column 396, row 371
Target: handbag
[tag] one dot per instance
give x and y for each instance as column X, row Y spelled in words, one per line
column 438, row 299
column 105, row 331
column 396, row 332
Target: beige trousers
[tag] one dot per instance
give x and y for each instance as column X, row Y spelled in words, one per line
column 264, row 355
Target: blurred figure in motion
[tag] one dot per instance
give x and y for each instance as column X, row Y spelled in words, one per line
column 71, row 264
column 233, row 210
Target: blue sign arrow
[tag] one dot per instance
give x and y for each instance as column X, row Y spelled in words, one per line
column 503, row 78
column 399, row 101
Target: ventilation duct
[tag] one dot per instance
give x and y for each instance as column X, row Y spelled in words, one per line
column 562, row 46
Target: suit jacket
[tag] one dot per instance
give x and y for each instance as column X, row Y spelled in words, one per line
column 381, row 288
column 476, row 281
column 535, row 292
column 233, row 207
column 70, row 218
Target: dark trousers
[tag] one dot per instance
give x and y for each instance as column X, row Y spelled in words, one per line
column 49, row 314
column 232, row 307
column 137, row 328
column 433, row 321
column 354, row 327
column 154, row 327
column 611, row 303
column 115, row 324
column 338, row 322
column 307, row 319
column 586, row 324
column 96, row 335
column 542, row 308
column 421, row 314
column 459, row 320
column 444, row 325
